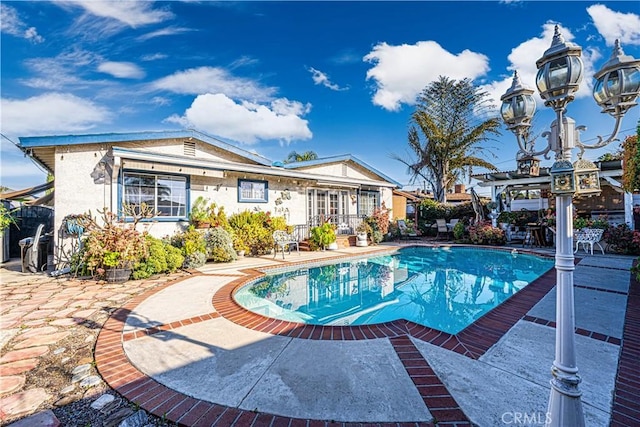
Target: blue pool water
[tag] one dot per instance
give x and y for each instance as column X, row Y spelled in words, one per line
column 445, row 288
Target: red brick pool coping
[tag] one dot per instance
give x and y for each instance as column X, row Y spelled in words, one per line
column 626, row 396
column 472, row 342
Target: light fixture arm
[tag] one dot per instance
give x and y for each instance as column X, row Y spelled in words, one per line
column 529, row 152
column 601, row 141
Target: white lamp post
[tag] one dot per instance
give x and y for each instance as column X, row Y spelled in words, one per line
column 559, row 75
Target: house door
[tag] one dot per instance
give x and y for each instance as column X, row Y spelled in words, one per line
column 327, row 205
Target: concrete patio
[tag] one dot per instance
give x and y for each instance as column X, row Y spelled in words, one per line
column 182, row 350
column 182, row 345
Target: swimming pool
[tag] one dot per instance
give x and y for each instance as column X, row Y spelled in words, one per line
column 445, row 288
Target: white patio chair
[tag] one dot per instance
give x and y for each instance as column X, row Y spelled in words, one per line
column 588, row 236
column 284, row 240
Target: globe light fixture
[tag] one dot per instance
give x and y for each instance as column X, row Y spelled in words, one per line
column 617, row 83
column 560, row 73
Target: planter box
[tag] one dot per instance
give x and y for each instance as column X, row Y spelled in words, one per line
column 117, row 275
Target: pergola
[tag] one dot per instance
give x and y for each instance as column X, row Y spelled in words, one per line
column 612, row 199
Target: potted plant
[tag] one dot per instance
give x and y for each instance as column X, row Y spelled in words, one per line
column 199, row 216
column 362, row 234
column 323, row 235
column 112, row 250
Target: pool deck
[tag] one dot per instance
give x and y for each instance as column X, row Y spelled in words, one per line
column 186, row 351
column 180, row 348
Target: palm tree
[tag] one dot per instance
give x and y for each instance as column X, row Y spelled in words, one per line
column 297, row 157
column 451, row 119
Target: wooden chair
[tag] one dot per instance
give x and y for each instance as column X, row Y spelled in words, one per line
column 283, row 240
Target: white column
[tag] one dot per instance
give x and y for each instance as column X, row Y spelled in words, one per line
column 628, row 209
column 565, row 406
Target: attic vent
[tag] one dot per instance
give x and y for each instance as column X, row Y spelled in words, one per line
column 344, row 169
column 190, row 148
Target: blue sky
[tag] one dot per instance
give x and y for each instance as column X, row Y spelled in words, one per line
column 274, row 77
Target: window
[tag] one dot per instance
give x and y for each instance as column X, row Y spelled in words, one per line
column 369, row 200
column 252, row 191
column 333, row 204
column 166, row 194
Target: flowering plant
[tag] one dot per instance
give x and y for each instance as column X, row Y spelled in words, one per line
column 486, row 234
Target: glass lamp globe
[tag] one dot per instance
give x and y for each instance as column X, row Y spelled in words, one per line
column 518, row 105
column 617, row 83
column 559, row 72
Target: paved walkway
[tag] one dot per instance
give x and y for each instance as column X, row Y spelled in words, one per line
column 184, row 350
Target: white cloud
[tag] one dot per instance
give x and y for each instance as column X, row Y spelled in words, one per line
column 154, row 57
column 10, row 23
column 523, row 59
column 51, row 112
column 200, row 80
column 131, row 13
column 320, row 78
column 59, row 72
column 243, row 61
column 401, row 72
column 169, row 31
column 160, row 101
column 247, row 122
column 615, row 25
column 122, row 70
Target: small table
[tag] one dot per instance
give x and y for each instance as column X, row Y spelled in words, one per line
column 535, row 236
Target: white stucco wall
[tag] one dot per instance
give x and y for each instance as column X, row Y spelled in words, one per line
column 81, row 185
column 175, row 147
column 337, row 169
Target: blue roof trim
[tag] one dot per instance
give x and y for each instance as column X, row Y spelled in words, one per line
column 340, row 158
column 64, row 140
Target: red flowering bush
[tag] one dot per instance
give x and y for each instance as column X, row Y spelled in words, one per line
column 486, row 234
column 622, row 239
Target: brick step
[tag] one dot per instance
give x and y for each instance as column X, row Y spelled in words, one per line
column 343, row 241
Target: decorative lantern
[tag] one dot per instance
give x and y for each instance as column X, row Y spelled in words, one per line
column 518, row 106
column 559, row 72
column 529, row 166
column 587, row 177
column 618, row 83
column 562, row 181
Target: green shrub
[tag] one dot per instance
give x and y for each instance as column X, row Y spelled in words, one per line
column 192, row 245
column 253, row 231
column 162, row 258
column 154, row 263
column 220, row 245
column 458, row 230
column 195, row 260
column 174, row 257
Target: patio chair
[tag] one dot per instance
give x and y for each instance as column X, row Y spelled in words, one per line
column 443, row 230
column 588, row 236
column 405, row 233
column 284, row 240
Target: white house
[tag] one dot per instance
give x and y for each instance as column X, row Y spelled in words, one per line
column 169, row 170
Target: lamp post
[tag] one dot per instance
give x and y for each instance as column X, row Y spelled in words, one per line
column 559, row 75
